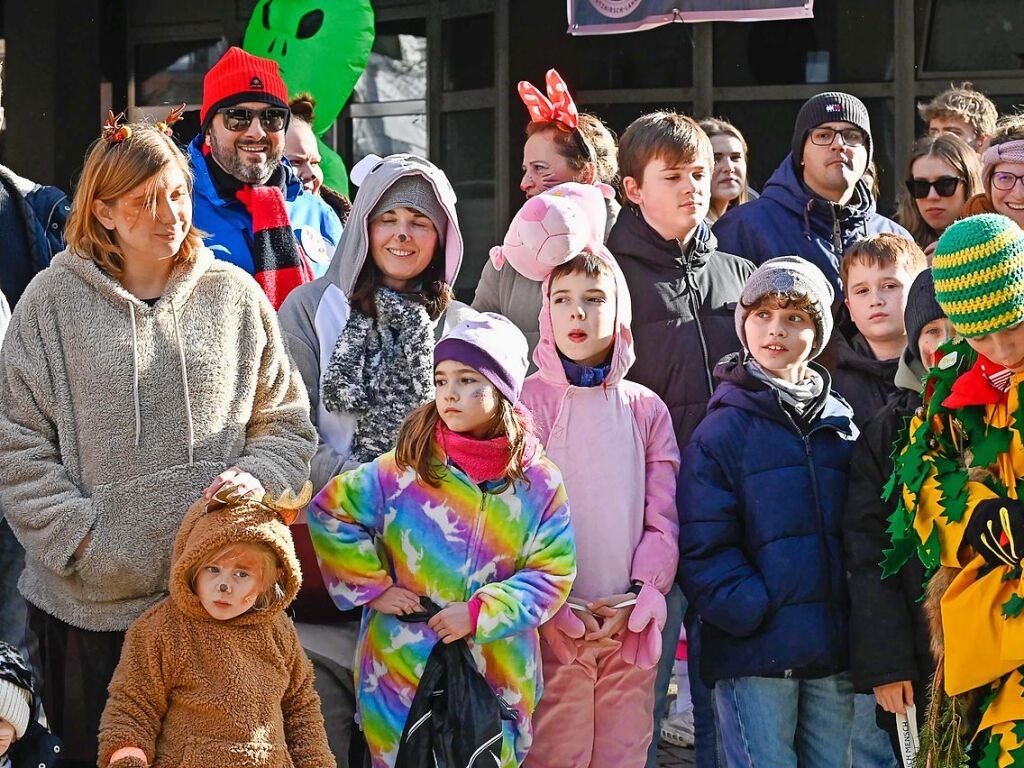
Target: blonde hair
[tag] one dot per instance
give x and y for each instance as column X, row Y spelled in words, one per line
column 676, row 139
column 111, row 170
column 881, row 250
column 270, row 588
column 716, row 126
column 417, row 446
column 959, row 156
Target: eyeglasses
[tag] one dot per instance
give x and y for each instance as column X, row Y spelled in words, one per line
column 238, row 119
column 944, row 186
column 824, row 136
column 1005, row 181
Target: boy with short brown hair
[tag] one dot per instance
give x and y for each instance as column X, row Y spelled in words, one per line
column 962, row 111
column 877, row 273
column 684, row 293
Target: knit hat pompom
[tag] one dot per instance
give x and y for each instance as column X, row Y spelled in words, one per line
column 922, row 308
column 239, row 77
column 491, row 344
column 978, row 267
column 416, row 192
column 787, row 276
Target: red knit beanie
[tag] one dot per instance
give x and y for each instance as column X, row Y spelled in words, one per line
column 239, row 77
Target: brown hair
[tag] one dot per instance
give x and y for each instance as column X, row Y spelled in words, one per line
column 716, row 126
column 962, row 101
column 1009, row 128
column 417, row 446
column 882, row 250
column 111, row 170
column 592, row 142
column 676, row 139
column 959, row 156
column 270, row 588
column 303, row 106
column 586, row 263
column 435, row 294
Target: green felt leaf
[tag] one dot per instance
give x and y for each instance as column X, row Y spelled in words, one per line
column 987, row 449
column 1013, row 607
column 1011, row 575
column 889, row 487
column 930, row 550
column 894, row 558
column 990, row 756
column 953, row 486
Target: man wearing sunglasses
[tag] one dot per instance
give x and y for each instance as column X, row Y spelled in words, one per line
column 816, row 203
column 247, row 199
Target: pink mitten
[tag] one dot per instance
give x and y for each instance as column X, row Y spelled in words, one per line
column 642, row 644
column 560, row 633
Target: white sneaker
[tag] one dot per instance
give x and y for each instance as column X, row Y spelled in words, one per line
column 677, row 729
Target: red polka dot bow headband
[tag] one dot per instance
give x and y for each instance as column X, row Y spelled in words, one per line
column 558, row 106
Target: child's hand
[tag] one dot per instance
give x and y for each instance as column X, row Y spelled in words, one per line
column 452, row 623
column 128, row 757
column 396, row 601
column 895, row 697
column 613, row 620
column 246, row 484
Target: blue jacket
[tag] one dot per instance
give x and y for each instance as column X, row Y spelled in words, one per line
column 228, row 225
column 790, row 220
column 760, row 532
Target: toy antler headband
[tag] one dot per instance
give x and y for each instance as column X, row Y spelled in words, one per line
column 287, row 506
column 113, row 131
column 174, row 116
column 558, row 106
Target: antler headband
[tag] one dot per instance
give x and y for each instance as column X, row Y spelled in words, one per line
column 175, row 115
column 558, row 106
column 287, row 506
column 113, row 131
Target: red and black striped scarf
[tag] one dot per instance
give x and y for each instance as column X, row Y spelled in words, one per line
column 278, row 261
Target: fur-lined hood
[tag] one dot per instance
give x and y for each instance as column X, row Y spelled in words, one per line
column 211, row 524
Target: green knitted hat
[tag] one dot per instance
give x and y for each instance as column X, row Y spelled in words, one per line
column 978, row 268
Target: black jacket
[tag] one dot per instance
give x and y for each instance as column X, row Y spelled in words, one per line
column 862, row 379
column 43, row 211
column 38, row 748
column 684, row 300
column 455, row 718
column 889, row 638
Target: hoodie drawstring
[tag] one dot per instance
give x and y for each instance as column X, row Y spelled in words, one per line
column 184, row 386
column 807, row 218
column 135, row 373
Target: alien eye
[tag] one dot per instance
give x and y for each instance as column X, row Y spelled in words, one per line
column 310, row 24
column 266, row 15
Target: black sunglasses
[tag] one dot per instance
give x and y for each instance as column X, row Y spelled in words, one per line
column 239, row 119
column 945, row 186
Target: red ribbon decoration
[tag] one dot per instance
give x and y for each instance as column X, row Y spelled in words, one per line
column 558, row 106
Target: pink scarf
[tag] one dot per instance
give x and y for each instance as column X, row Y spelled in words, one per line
column 482, row 460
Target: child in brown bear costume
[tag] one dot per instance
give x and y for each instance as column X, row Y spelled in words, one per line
column 214, row 674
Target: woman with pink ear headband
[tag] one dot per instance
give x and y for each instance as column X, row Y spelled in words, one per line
column 562, row 144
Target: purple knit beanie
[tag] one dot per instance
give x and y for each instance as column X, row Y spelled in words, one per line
column 491, row 344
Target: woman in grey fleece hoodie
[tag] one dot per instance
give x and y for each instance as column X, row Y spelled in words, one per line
column 137, row 372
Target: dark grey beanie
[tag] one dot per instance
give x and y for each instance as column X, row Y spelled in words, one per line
column 833, row 106
column 921, row 309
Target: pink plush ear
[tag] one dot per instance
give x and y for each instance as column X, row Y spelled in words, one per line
column 497, row 257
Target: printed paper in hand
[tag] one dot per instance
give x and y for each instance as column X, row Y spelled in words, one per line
column 906, row 731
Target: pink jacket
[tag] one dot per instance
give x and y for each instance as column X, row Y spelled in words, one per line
column 617, row 451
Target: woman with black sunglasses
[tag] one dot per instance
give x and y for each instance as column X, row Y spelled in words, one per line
column 942, row 173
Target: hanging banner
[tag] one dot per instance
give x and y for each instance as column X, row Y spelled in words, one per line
column 602, row 17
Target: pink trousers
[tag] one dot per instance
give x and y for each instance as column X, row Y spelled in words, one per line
column 594, row 712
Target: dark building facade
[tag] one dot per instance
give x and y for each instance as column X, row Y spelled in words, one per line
column 443, row 73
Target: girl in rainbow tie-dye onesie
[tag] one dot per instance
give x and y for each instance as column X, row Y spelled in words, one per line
column 466, row 511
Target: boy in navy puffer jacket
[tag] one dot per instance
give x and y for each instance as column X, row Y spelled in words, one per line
column 760, row 501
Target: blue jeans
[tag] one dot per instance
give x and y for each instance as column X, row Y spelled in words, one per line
column 784, row 722
column 871, row 745
column 705, row 742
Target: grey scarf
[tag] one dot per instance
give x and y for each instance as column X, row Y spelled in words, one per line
column 381, row 370
column 797, row 396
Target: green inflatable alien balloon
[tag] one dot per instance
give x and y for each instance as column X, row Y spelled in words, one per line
column 322, row 47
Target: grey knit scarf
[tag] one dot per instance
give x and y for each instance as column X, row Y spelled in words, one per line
column 797, row 396
column 381, row 370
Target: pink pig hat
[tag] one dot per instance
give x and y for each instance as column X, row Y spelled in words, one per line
column 554, row 227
